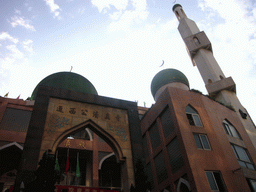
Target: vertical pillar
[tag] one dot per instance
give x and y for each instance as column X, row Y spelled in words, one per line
column 88, row 182
column 95, row 162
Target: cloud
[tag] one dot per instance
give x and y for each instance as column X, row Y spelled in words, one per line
column 237, row 31
column 102, row 4
column 27, row 45
column 15, row 52
column 19, row 21
column 6, row 36
column 124, row 15
column 54, row 8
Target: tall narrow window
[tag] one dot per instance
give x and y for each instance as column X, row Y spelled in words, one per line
column 230, row 130
column 252, row 184
column 196, row 40
column 154, row 136
column 149, row 174
column 215, row 181
column 176, row 159
column 167, row 122
column 202, row 141
column 161, row 170
column 145, row 146
column 243, row 157
column 193, row 116
column 177, row 14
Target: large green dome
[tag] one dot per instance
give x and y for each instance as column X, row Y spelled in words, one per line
column 67, row 80
column 167, row 76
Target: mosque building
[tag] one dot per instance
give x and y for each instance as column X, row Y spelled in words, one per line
column 185, row 142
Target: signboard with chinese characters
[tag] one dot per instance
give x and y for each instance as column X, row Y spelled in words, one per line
column 62, row 115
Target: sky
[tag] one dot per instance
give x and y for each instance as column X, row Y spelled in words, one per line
column 119, row 45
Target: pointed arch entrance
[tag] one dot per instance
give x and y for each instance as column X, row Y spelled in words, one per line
column 110, row 140
column 89, row 156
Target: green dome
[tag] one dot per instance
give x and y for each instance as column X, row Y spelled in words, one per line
column 176, row 5
column 67, row 80
column 167, row 76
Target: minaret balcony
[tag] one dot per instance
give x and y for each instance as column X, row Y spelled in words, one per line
column 196, row 42
column 223, row 84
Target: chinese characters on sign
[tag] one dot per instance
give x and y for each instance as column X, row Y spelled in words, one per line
column 68, row 144
column 82, row 144
column 84, row 112
column 96, row 114
column 72, row 111
column 66, row 113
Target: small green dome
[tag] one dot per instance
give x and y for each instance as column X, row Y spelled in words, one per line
column 167, row 76
column 176, row 5
column 67, row 80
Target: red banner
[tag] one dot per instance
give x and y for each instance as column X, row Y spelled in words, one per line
column 59, row 188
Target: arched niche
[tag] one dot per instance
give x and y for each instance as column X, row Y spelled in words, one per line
column 104, row 158
column 110, row 172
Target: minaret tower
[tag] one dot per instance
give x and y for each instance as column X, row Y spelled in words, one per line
column 219, row 87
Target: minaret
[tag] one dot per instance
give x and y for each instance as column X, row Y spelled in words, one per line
column 219, row 87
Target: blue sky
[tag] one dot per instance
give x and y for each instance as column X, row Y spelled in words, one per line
column 119, row 45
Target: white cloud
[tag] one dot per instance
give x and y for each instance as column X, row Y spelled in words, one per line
column 27, row 45
column 15, row 52
column 54, row 7
column 7, row 36
column 123, row 19
column 102, row 4
column 6, row 63
column 19, row 21
column 124, row 15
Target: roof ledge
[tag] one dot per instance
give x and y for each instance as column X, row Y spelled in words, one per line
column 11, row 144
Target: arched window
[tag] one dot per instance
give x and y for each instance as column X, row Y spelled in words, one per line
column 84, row 134
column 178, row 15
column 196, row 40
column 230, row 129
column 193, row 116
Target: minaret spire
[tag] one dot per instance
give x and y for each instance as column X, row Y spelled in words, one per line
column 200, row 51
column 219, row 87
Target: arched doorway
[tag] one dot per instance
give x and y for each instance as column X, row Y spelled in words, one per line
column 84, row 148
column 9, row 162
column 110, row 172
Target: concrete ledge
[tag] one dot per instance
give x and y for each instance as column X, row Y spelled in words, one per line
column 223, row 84
column 196, row 42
